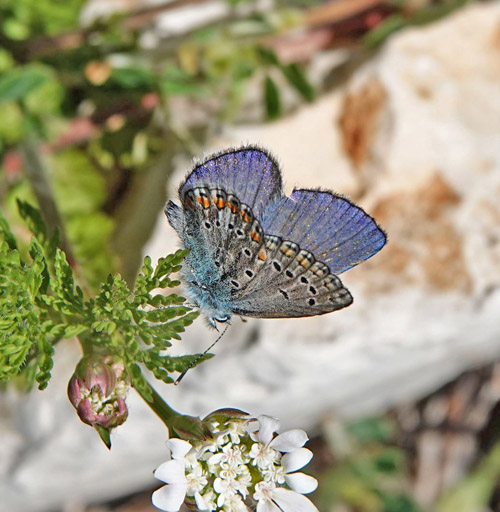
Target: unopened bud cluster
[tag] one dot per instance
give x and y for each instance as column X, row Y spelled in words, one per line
column 98, row 389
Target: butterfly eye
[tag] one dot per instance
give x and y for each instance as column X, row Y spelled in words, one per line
column 222, row 319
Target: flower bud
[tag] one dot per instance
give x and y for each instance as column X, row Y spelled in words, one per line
column 98, row 389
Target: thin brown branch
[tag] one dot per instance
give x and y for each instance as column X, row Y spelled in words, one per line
column 336, row 11
column 132, row 20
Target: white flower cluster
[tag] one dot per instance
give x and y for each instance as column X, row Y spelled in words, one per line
column 243, row 463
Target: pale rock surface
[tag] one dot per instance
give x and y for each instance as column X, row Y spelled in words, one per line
column 416, row 141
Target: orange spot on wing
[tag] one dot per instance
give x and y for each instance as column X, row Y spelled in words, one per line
column 203, row 201
column 287, row 251
column 262, row 256
column 255, row 237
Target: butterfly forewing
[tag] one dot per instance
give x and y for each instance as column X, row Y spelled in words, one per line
column 335, row 230
column 249, row 173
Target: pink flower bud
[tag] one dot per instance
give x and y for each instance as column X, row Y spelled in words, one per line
column 98, row 389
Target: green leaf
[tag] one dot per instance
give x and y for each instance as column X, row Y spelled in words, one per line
column 297, row 79
column 371, row 429
column 165, row 300
column 71, row 331
column 382, row 31
column 45, row 362
column 105, row 435
column 180, row 363
column 475, row 490
column 166, row 313
column 6, row 233
column 398, row 503
column 147, row 268
column 33, row 219
column 272, row 99
column 19, row 82
column 42, row 279
column 133, row 78
column 268, row 56
column 221, row 416
column 176, row 81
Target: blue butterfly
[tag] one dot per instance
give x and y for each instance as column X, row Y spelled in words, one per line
column 256, row 252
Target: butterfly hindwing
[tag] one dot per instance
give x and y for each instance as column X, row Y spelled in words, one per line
column 290, row 283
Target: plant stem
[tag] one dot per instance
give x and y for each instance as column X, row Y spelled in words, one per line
column 186, row 427
column 38, row 176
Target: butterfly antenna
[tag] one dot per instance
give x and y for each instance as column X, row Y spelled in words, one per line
column 181, row 376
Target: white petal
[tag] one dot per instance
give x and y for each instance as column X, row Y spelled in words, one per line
column 289, row 440
column 215, row 459
column 169, row 497
column 171, row 472
column 267, row 506
column 299, row 482
column 178, row 447
column 200, row 501
column 296, row 459
column 290, row 501
column 267, row 426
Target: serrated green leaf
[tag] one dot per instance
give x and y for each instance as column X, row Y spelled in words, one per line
column 70, row 331
column 180, row 363
column 99, row 326
column 33, row 219
column 166, row 313
column 6, row 234
column 64, row 282
column 165, row 300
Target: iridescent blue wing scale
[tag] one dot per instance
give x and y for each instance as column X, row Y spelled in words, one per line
column 337, row 232
column 249, row 173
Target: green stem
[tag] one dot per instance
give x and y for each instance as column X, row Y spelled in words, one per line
column 38, row 177
column 185, row 427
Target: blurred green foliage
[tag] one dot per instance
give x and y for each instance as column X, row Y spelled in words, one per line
column 22, row 20
column 370, row 472
column 104, row 113
column 109, row 111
